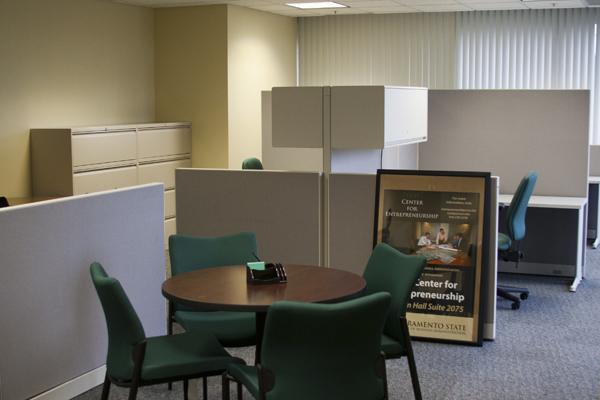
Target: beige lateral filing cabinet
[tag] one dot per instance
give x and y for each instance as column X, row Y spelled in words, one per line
column 70, row 161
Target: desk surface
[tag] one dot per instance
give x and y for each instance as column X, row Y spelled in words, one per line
column 548, row 201
column 226, row 289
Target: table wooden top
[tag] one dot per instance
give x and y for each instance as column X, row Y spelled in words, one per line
column 226, row 289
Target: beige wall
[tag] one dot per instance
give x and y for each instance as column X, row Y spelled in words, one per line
column 261, row 54
column 191, row 77
column 69, row 62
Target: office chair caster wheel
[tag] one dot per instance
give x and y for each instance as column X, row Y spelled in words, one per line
column 524, row 296
column 515, row 306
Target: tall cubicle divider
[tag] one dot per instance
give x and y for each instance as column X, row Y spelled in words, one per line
column 510, row 132
column 282, row 208
column 53, row 340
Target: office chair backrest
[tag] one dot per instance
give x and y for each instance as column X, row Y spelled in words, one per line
column 252, row 163
column 3, row 202
column 189, row 253
column 515, row 216
column 325, row 351
column 124, row 327
column 389, row 270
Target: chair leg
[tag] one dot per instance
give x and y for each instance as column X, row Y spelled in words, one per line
column 240, row 391
column 516, row 301
column 105, row 388
column 186, row 386
column 205, row 388
column 225, row 386
column 412, row 366
column 133, row 392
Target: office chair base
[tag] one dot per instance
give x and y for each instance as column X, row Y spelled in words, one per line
column 506, row 293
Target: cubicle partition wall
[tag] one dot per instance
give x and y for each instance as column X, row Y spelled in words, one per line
column 282, row 208
column 595, row 160
column 53, row 337
column 510, row 132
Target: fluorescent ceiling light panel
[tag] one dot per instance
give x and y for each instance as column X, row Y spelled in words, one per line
column 315, row 5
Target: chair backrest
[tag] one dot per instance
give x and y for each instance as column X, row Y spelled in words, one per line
column 124, row 327
column 389, row 270
column 515, row 216
column 325, row 351
column 189, row 253
column 3, row 202
column 252, row 163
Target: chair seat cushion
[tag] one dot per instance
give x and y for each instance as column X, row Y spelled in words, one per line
column 232, row 329
column 246, row 375
column 391, row 347
column 504, row 241
column 186, row 354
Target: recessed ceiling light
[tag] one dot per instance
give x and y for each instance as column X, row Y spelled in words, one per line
column 318, row 4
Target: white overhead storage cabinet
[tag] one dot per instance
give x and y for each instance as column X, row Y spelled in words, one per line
column 357, row 117
column 297, row 116
column 375, row 117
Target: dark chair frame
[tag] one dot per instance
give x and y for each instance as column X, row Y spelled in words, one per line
column 410, row 358
column 266, row 380
column 136, row 381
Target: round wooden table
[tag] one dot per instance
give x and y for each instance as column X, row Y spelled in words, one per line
column 226, row 289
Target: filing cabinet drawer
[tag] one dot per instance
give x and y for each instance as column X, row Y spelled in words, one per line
column 155, row 143
column 169, row 203
column 95, row 181
column 170, row 229
column 163, row 172
column 100, row 148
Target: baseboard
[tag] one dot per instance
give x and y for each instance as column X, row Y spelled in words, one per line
column 75, row 386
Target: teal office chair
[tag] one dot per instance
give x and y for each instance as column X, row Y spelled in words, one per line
column 389, row 270
column 252, row 163
column 319, row 352
column 134, row 360
column 515, row 226
column 189, row 253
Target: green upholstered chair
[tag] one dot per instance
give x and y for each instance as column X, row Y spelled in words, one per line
column 252, row 163
column 319, row 351
column 389, row 270
column 134, row 360
column 189, row 253
column 515, row 228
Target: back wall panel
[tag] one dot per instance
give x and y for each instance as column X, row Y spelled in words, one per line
column 509, row 132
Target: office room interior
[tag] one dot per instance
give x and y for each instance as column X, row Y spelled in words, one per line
column 123, row 122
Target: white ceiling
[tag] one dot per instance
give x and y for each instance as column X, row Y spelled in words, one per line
column 372, row 6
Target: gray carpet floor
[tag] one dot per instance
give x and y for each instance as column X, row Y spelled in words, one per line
column 549, row 349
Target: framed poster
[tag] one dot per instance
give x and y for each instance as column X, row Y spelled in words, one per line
column 443, row 216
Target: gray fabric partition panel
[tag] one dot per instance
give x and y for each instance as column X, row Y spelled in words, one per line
column 282, row 208
column 595, row 160
column 351, row 218
column 510, row 132
column 53, row 328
